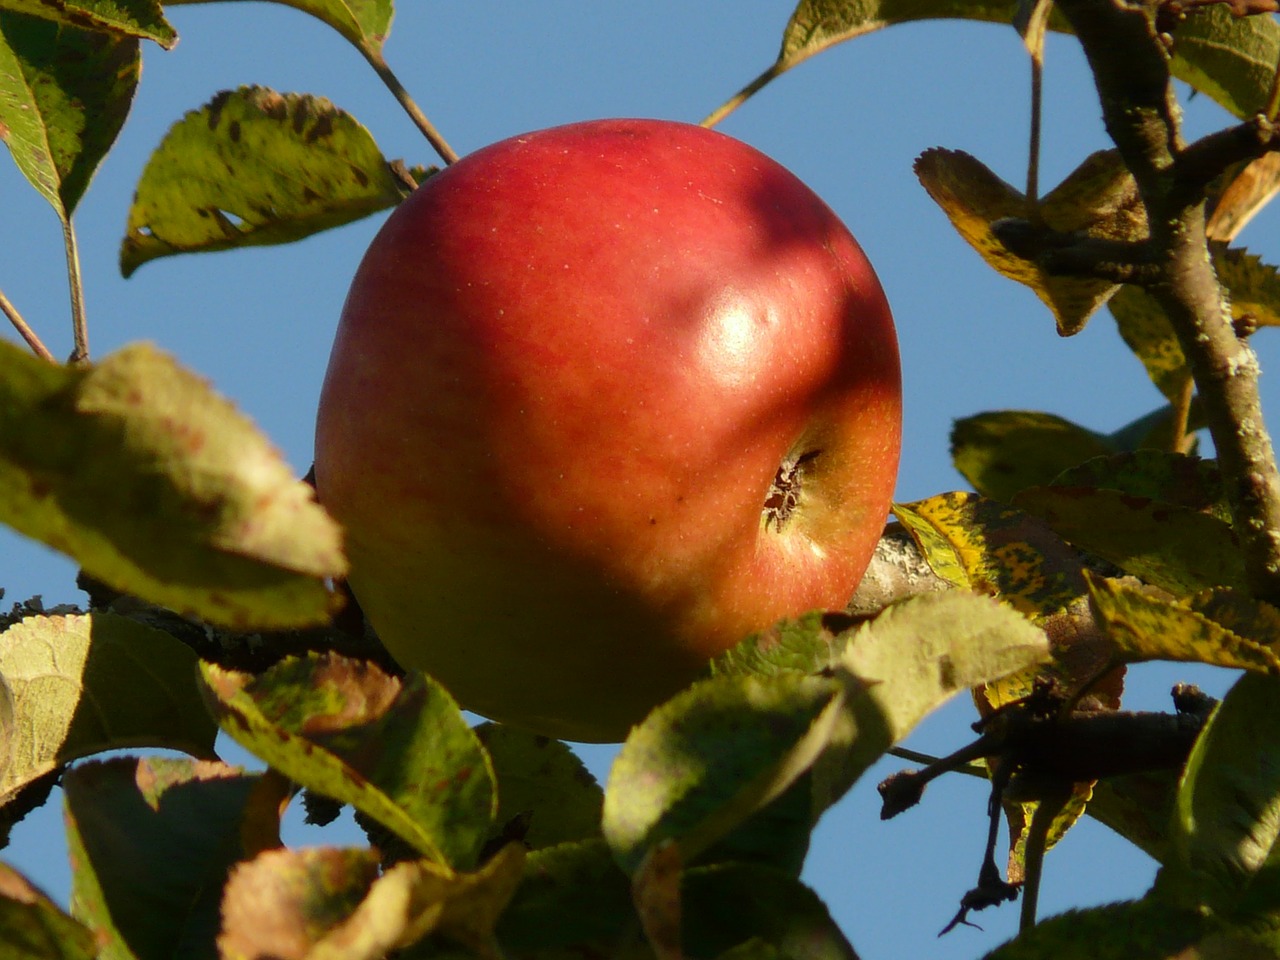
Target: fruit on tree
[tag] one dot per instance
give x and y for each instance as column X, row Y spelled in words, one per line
column 604, row 399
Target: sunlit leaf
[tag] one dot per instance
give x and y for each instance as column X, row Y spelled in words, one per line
column 255, row 167
column 1226, row 829
column 398, row 750
column 706, row 760
column 802, row 645
column 364, row 23
column 1147, row 627
column 136, row 18
column 1231, row 59
column 1098, row 199
column 282, row 902
column 151, row 842
column 416, row 898
column 1005, row 451
column 1138, row 806
column 1253, row 287
column 158, row 487
column 1248, row 192
column 546, row 795
column 32, row 927
column 1176, row 548
column 64, row 95
column 79, row 685
column 992, row 548
column 1144, row 326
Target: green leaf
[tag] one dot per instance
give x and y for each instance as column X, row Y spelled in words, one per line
column 1230, row 59
column 988, row 547
column 399, row 751
column 364, row 23
column 135, row 18
column 1226, row 830
column 1099, row 199
column 1138, row 806
column 1006, row 451
column 255, row 167
column 79, row 685
column 801, row 645
column 282, row 902
column 543, row 787
column 1146, row 627
column 32, row 927
column 574, row 901
column 1136, row 930
column 64, row 95
column 728, row 906
column 1171, row 478
column 151, row 843
column 706, row 760
column 1182, row 550
column 158, row 487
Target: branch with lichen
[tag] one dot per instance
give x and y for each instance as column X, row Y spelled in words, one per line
column 1130, row 65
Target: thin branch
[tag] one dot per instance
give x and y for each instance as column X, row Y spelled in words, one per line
column 75, row 284
column 1202, row 162
column 1037, row 843
column 388, row 77
column 1131, row 69
column 34, row 342
column 1033, row 156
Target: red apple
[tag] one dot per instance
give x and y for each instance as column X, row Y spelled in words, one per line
column 604, row 399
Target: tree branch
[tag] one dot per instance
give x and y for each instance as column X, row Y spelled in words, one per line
column 1131, row 69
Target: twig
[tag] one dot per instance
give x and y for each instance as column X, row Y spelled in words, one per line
column 1131, row 69
column 388, row 77
column 33, row 341
column 1078, row 254
column 1037, row 844
column 79, row 323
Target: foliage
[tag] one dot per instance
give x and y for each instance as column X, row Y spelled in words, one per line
column 1077, row 554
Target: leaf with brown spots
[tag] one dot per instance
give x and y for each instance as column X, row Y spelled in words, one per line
column 1143, row 626
column 397, row 750
column 255, row 167
column 992, row 548
column 64, row 95
column 143, row 19
column 1174, row 547
column 160, row 488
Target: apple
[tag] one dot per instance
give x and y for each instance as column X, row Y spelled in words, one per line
column 604, row 399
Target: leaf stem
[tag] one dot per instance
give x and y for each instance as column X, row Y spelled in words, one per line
column 1037, row 843
column 1033, row 155
column 1179, row 438
column 1131, row 70
column 388, row 77
column 742, row 96
column 24, row 330
column 79, row 323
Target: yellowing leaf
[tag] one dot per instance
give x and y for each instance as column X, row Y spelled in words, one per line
column 1099, row 199
column 1146, row 330
column 1173, row 547
column 399, row 751
column 1248, row 192
column 158, row 487
column 1146, row 627
column 282, row 902
column 995, row 549
column 80, row 685
column 1253, row 287
column 255, row 167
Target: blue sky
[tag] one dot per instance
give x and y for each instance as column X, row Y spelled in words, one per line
column 258, row 323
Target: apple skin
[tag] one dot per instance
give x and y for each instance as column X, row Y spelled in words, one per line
column 566, row 377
